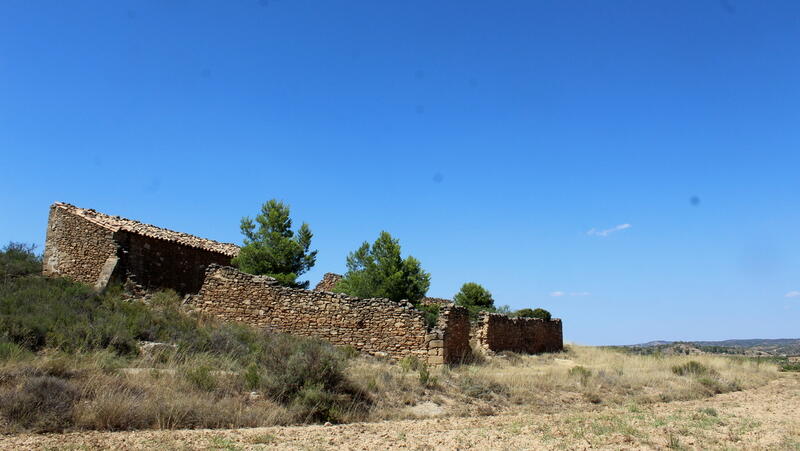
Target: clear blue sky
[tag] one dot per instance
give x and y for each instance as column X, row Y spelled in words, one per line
column 642, row 159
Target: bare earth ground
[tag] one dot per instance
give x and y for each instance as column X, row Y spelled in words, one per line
column 763, row 418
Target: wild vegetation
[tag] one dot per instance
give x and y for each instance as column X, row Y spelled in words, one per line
column 71, row 359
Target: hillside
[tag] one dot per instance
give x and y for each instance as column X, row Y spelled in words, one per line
column 783, row 347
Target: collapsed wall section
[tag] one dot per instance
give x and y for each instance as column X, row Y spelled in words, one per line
column 496, row 333
column 373, row 326
column 328, row 282
column 78, row 248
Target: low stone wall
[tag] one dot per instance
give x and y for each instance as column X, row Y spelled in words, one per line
column 76, row 248
column 496, row 333
column 373, row 326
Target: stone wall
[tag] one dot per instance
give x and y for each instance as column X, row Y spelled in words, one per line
column 373, row 326
column 328, row 282
column 496, row 333
column 77, row 248
column 453, row 324
column 152, row 263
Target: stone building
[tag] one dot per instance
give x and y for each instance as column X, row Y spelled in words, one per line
column 96, row 249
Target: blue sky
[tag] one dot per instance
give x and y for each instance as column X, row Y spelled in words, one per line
column 634, row 167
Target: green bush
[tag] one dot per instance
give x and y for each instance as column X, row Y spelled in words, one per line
column 789, row 366
column 410, row 363
column 692, row 368
column 12, row 351
column 533, row 313
column 431, row 312
column 201, row 378
column 18, row 259
column 475, row 298
column 426, row 379
column 581, row 373
column 39, row 313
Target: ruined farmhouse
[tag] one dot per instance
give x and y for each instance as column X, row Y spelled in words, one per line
column 98, row 249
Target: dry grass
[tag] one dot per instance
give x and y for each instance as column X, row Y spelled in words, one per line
column 599, row 375
column 580, row 379
column 210, row 391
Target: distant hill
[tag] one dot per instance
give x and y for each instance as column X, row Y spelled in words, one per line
column 751, row 347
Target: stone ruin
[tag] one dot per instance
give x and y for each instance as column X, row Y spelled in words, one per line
column 98, row 250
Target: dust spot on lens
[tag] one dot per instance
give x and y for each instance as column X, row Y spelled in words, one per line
column 438, row 177
column 695, row 201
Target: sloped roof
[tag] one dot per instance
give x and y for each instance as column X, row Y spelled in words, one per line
column 115, row 223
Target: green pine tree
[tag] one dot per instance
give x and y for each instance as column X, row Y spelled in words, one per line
column 271, row 247
column 379, row 271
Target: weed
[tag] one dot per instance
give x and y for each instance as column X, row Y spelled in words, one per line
column 41, row 403
column 201, row 378
column 691, row 368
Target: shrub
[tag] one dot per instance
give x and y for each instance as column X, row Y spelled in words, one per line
column 581, row 372
column 200, row 377
column 692, row 368
column 41, row 403
column 12, row 351
column 18, row 259
column 426, row 379
column 789, row 366
column 431, row 312
column 410, row 363
column 533, row 313
column 474, row 298
column 315, row 403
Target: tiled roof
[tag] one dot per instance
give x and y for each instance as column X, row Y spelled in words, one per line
column 116, row 223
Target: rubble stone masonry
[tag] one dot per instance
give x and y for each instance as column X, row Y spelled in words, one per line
column 77, row 248
column 496, row 333
column 94, row 248
column 328, row 282
column 373, row 326
column 97, row 249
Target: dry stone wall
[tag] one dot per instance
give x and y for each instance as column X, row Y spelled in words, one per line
column 374, row 326
column 77, row 248
column 453, row 327
column 496, row 333
column 153, row 263
column 94, row 248
column 328, row 282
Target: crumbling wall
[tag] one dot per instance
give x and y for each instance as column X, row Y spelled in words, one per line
column 374, row 326
column 152, row 263
column 77, row 248
column 328, row 282
column 496, row 333
column 453, row 322
column 94, row 248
